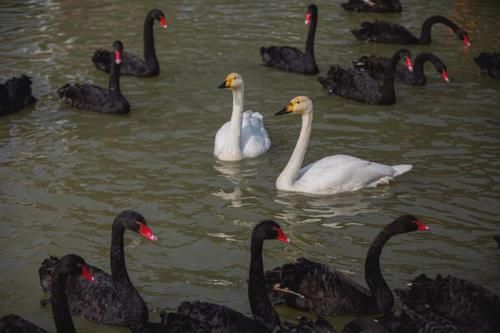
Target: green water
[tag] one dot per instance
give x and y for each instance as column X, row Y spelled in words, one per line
column 66, row 173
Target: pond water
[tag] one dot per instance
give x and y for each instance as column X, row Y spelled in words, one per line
column 66, row 173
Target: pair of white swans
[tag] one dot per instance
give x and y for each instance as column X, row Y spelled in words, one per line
column 244, row 136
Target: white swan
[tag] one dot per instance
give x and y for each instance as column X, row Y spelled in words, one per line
column 332, row 174
column 244, row 136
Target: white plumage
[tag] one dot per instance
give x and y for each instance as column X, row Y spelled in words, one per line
column 332, row 174
column 244, row 136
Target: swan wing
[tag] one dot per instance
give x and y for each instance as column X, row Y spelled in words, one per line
column 283, row 57
column 254, row 138
column 344, row 173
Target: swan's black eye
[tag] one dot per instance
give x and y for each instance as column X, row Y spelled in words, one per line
column 298, row 102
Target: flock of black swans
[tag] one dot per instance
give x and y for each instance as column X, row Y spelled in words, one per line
column 440, row 304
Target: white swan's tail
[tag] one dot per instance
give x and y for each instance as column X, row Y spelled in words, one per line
column 401, row 168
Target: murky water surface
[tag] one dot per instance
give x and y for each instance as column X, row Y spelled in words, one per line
column 66, row 173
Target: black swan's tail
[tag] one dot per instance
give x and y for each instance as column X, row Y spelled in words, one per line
column 45, row 273
column 489, row 63
column 102, row 60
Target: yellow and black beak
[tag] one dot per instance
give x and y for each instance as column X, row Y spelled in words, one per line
column 287, row 109
column 225, row 84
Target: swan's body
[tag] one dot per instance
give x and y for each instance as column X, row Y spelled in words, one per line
column 291, row 59
column 327, row 291
column 69, row 266
column 469, row 306
column 15, row 94
column 377, row 68
column 111, row 299
column 489, row 63
column 332, row 174
column 131, row 63
column 385, row 32
column 358, row 85
column 244, row 136
column 374, row 6
column 95, row 98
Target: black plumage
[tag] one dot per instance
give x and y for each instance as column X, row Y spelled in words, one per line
column 385, row 32
column 15, row 94
column 69, row 266
column 374, row 6
column 131, row 63
column 326, row 291
column 110, row 299
column 360, row 86
column 95, row 98
column 291, row 59
column 489, row 63
column 377, row 67
column 469, row 306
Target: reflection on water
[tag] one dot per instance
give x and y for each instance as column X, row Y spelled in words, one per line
column 65, row 173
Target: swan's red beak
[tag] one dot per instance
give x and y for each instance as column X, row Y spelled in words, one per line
column 308, row 18
column 282, row 237
column 86, row 273
column 421, row 226
column 163, row 22
column 466, row 41
column 444, row 75
column 145, row 231
column 408, row 63
column 118, row 57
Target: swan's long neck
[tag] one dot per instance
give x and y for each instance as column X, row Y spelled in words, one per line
column 310, row 36
column 126, row 291
column 425, row 35
column 387, row 89
column 114, row 79
column 149, row 45
column 60, row 307
column 232, row 146
column 260, row 305
column 289, row 175
column 373, row 275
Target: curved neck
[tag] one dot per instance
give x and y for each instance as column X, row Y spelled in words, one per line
column 126, row 291
column 290, row 173
column 425, row 35
column 232, row 146
column 418, row 67
column 260, row 305
column 60, row 308
column 310, row 36
column 373, row 275
column 149, row 45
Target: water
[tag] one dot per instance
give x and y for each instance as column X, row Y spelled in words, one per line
column 65, row 173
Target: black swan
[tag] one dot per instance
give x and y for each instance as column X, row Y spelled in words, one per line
column 375, row 6
column 316, row 287
column 385, row 32
column 111, row 299
column 132, row 64
column 291, row 59
column 69, row 265
column 218, row 318
column 489, row 63
column 377, row 66
column 360, row 86
column 15, row 94
column 469, row 306
column 95, row 98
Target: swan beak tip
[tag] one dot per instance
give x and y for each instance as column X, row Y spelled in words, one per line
column 223, row 85
column 282, row 111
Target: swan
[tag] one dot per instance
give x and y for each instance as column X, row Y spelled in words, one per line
column 385, row 32
column 332, row 174
column 209, row 317
column 111, row 299
column 489, row 63
column 291, row 59
column 374, row 6
column 377, row 67
column 244, row 136
column 360, row 86
column 95, row 98
column 69, row 265
column 327, row 291
column 15, row 94
column 132, row 64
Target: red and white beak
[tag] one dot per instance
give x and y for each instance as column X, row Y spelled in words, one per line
column 408, row 63
column 282, row 237
column 421, row 226
column 86, row 273
column 146, row 232
column 163, row 22
column 118, row 57
column 467, row 41
column 444, row 75
column 308, row 18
